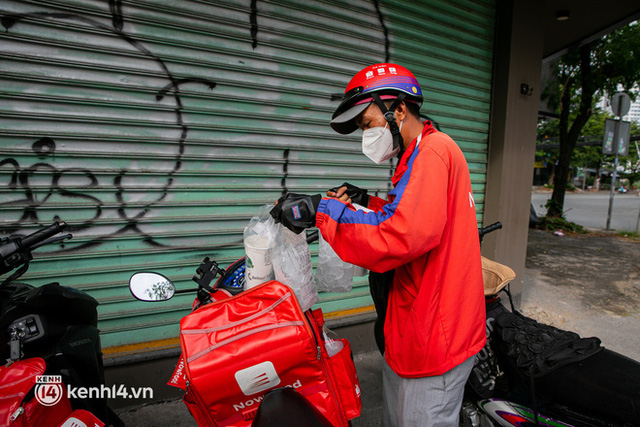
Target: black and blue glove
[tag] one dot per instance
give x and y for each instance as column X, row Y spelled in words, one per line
column 296, row 211
column 356, row 194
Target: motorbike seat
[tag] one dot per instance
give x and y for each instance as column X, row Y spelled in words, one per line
column 285, row 406
column 576, row 373
column 605, row 385
column 495, row 276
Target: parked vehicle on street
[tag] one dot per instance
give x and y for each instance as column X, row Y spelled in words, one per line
column 51, row 344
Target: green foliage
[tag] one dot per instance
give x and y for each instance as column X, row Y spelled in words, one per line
column 629, row 235
column 559, row 223
column 585, row 156
column 620, row 52
column 552, row 205
column 591, row 156
column 581, row 78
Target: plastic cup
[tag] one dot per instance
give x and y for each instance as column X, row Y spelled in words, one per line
column 259, row 266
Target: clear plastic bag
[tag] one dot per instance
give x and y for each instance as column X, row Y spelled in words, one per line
column 292, row 266
column 359, row 271
column 332, row 274
column 259, row 240
column 332, row 342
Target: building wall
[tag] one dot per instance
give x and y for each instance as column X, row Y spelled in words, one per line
column 519, row 37
column 157, row 129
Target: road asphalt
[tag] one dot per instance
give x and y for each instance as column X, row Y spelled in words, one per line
column 590, row 209
column 589, row 284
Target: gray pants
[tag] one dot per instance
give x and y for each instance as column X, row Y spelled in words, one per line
column 424, row 402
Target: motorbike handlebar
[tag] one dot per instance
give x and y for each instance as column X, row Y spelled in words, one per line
column 32, row 240
column 313, row 236
column 489, row 229
column 16, row 251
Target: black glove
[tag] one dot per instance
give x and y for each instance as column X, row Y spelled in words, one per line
column 356, row 194
column 296, row 211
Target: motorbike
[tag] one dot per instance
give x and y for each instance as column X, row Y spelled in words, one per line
column 528, row 374
column 50, row 341
column 243, row 365
column 531, row 374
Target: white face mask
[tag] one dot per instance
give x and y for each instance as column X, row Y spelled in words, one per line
column 377, row 144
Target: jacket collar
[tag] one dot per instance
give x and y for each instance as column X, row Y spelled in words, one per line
column 428, row 129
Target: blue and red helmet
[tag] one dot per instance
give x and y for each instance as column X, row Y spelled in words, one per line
column 372, row 84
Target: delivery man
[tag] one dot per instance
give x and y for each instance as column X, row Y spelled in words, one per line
column 426, row 233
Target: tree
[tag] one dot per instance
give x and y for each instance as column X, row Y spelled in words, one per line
column 583, row 75
column 588, row 151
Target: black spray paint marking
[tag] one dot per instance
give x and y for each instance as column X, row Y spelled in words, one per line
column 391, row 173
column 20, row 181
column 285, row 172
column 385, row 30
column 116, row 12
column 176, row 83
column 46, row 145
column 253, row 20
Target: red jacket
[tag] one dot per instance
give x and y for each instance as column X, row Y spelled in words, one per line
column 428, row 233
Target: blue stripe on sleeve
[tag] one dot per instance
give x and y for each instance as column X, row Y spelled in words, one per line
column 340, row 213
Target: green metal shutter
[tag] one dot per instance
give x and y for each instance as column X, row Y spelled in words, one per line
column 449, row 46
column 157, row 129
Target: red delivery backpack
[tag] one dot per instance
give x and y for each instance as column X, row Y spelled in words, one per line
column 18, row 403
column 236, row 349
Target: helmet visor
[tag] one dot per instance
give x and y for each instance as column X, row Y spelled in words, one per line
column 344, row 122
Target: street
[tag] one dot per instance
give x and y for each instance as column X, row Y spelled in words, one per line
column 590, row 209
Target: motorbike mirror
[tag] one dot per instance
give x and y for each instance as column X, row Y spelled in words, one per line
column 151, row 287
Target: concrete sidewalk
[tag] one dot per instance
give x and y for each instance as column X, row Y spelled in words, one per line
column 586, row 283
column 589, row 284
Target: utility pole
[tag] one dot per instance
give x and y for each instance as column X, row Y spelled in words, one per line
column 616, row 140
column 638, row 223
column 613, row 177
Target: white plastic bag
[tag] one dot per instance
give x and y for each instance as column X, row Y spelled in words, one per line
column 332, row 274
column 359, row 271
column 259, row 240
column 292, row 266
column 331, row 341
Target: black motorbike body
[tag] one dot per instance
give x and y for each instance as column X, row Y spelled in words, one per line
column 604, row 387
column 58, row 324
column 574, row 380
column 285, row 406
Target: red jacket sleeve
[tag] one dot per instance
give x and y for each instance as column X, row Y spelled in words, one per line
column 407, row 227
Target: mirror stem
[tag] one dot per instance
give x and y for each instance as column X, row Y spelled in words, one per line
column 186, row 291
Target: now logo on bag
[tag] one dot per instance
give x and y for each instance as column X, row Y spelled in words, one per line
column 257, row 378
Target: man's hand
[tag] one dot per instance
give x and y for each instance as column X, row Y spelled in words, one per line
column 296, row 211
column 350, row 194
column 340, row 194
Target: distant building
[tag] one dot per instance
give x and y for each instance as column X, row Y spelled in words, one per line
column 634, row 112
